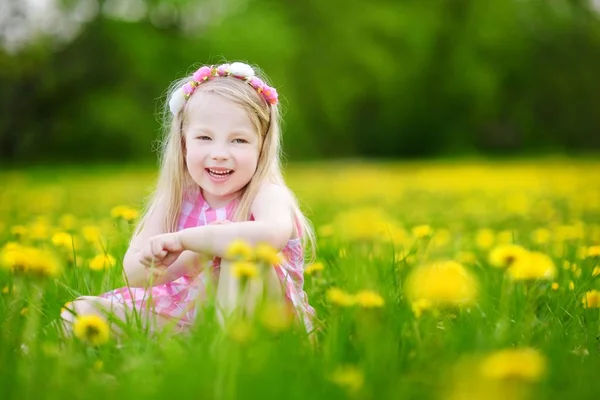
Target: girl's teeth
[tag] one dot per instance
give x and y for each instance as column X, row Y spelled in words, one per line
column 219, row 173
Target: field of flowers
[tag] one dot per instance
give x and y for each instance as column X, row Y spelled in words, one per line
column 433, row 280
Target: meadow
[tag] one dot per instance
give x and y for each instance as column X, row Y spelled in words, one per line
column 432, row 280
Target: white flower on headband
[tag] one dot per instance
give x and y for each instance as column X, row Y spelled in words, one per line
column 177, row 101
column 241, row 69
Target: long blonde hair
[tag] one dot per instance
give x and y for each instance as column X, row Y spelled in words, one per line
column 174, row 181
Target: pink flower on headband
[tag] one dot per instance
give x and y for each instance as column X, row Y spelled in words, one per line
column 270, row 94
column 222, row 69
column 257, row 84
column 202, row 74
column 238, row 70
column 188, row 88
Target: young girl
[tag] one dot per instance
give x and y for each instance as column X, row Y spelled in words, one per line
column 220, row 163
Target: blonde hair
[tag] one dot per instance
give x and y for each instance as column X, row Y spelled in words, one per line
column 174, row 181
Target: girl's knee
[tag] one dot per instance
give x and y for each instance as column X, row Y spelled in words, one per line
column 84, row 305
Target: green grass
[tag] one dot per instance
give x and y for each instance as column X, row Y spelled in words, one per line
column 355, row 209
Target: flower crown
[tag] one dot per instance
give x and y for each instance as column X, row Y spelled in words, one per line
column 237, row 70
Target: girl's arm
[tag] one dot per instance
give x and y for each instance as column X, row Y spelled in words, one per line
column 137, row 274
column 272, row 225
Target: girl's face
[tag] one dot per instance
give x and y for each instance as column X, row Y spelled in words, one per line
column 222, row 147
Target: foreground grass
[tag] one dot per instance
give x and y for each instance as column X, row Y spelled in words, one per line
column 393, row 327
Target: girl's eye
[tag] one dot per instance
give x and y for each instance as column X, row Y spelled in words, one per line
column 203, row 138
column 240, row 141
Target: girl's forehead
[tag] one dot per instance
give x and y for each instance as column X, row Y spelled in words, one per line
column 207, row 108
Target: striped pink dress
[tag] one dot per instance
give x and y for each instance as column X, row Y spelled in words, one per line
column 178, row 299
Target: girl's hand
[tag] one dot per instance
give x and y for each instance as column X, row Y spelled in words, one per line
column 161, row 250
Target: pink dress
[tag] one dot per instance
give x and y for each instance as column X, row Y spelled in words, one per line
column 177, row 299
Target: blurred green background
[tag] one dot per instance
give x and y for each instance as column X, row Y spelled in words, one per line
column 82, row 80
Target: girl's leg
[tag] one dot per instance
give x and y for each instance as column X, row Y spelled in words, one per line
column 111, row 310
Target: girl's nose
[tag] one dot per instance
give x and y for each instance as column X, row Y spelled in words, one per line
column 219, row 153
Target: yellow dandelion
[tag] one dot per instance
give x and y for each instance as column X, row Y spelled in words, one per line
column 591, row 299
column 368, row 299
column 596, row 271
column 571, row 285
column 239, row 250
column 504, row 255
column 5, row 290
column 484, row 239
column 44, row 264
column 592, row 251
column 39, row 230
column 63, row 240
column 348, row 377
column 125, row 212
column 525, row 364
column 244, row 269
column 505, row 237
column 422, row 231
column 91, row 233
column 541, row 236
column 276, row 317
column 91, row 329
column 340, row 297
column 19, row 231
column 102, row 262
column 15, row 257
column 555, row 286
column 534, row 265
column 314, row 267
column 366, row 223
column 442, row 283
column 267, row 254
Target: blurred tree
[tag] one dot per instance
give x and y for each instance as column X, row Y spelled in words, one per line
column 387, row 79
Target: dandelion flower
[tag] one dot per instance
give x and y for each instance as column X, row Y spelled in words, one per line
column 64, row 240
column 504, row 255
column 340, row 297
column 349, row 377
column 312, row 268
column 276, row 317
column 368, row 299
column 239, row 250
column 125, row 212
column 592, row 251
column 442, row 283
column 91, row 329
column 534, row 265
column 267, row 254
column 422, row 231
column 485, row 238
column 102, row 261
column 525, row 364
column 591, row 299
column 541, row 236
column 244, row 269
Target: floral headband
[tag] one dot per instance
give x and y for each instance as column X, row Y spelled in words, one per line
column 238, row 70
